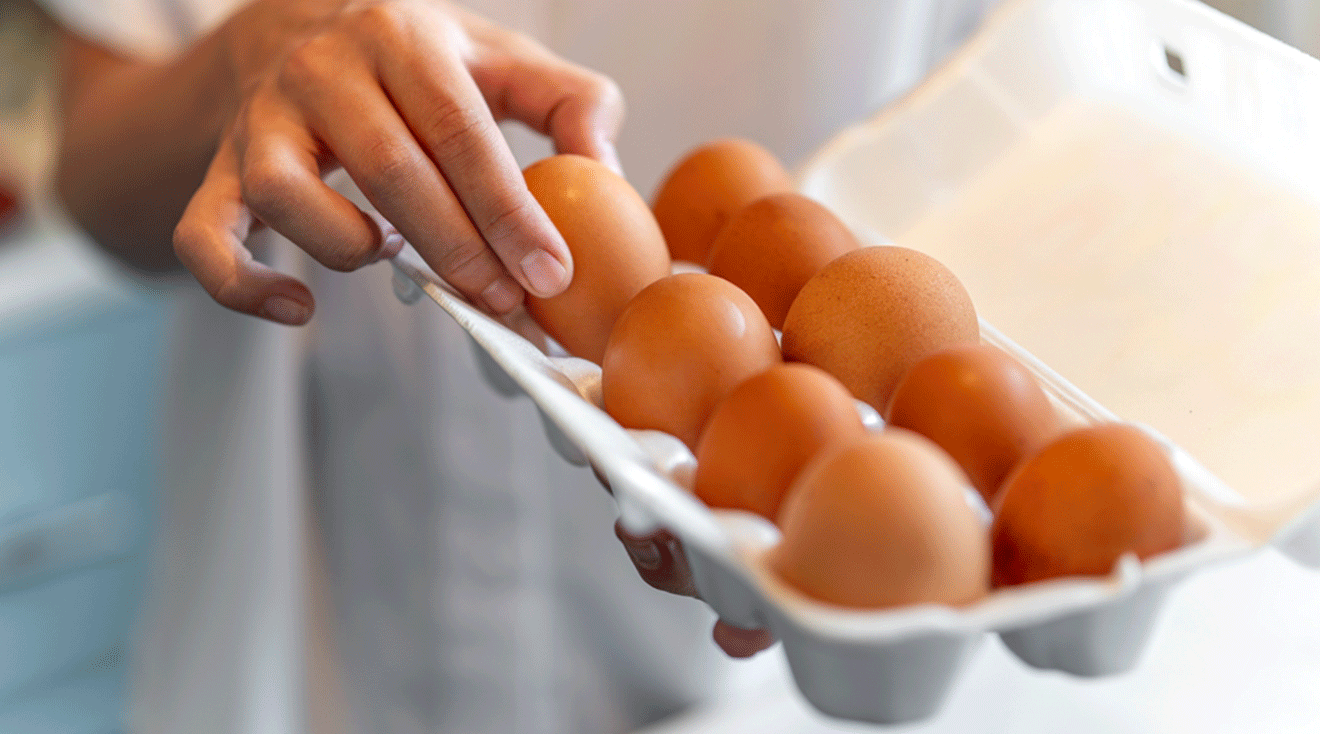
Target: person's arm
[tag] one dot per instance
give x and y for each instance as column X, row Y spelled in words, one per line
column 403, row 94
column 137, row 138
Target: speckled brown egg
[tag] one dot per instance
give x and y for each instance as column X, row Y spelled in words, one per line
column 616, row 245
column 763, row 433
column 981, row 406
column 882, row 521
column 704, row 189
column 772, row 247
column 1081, row 502
column 678, row 348
column 872, row 313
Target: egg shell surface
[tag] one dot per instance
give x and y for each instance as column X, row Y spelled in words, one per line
column 1082, row 501
column 883, row 521
column 981, row 406
column 704, row 189
column 765, row 431
column 771, row 248
column 872, row 313
column 678, row 348
column 616, row 245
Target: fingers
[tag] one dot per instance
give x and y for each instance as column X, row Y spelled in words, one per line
column 661, row 562
column 355, row 119
column 282, row 187
column 400, row 95
column 579, row 109
column 437, row 97
column 209, row 242
column 740, row 643
column 659, row 559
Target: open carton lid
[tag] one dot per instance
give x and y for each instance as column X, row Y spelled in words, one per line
column 1131, row 192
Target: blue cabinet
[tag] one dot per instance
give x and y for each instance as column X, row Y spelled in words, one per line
column 79, row 412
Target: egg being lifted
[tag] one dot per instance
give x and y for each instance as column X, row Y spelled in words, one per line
column 882, row 521
column 772, row 247
column 872, row 313
column 678, row 348
column 980, row 405
column 1081, row 502
column 763, row 433
column 706, row 187
column 616, row 245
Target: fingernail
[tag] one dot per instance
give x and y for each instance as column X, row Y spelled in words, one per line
column 501, row 296
column 547, row 276
column 392, row 245
column 610, row 156
column 645, row 555
column 285, row 310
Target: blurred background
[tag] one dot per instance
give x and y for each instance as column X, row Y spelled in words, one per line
column 81, row 354
column 82, row 349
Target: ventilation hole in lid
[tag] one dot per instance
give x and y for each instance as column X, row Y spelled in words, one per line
column 1174, row 61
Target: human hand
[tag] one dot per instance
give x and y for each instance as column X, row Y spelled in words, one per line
column 661, row 562
column 405, row 96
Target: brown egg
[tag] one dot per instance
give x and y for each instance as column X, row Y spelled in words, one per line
column 872, row 313
column 617, row 249
column 980, row 405
column 763, row 433
column 707, row 186
column 772, row 247
column 1084, row 500
column 678, row 348
column 882, row 521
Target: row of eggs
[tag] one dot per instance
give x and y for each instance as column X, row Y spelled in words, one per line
column 867, row 520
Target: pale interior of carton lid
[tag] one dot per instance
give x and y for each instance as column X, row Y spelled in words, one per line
column 1122, row 195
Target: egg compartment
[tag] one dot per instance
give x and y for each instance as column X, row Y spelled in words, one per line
column 897, row 665
column 1118, row 290
column 884, row 665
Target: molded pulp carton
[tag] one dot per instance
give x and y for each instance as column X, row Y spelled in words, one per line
column 1130, row 191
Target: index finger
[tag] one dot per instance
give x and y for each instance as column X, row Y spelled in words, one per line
column 444, row 108
column 209, row 241
column 579, row 109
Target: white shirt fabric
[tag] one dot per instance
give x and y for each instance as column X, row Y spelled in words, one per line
column 474, row 577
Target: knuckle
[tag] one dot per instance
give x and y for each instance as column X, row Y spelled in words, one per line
column 230, row 294
column 308, row 64
column 348, row 253
column 187, row 236
column 466, row 265
column 602, row 90
column 387, row 22
column 346, row 257
column 506, row 222
column 449, row 29
column 267, row 186
column 378, row 19
column 454, row 131
column 190, row 237
column 391, row 166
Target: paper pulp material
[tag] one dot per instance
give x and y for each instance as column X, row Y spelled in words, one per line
column 1128, row 190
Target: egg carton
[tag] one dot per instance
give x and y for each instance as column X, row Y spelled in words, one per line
column 1112, row 85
